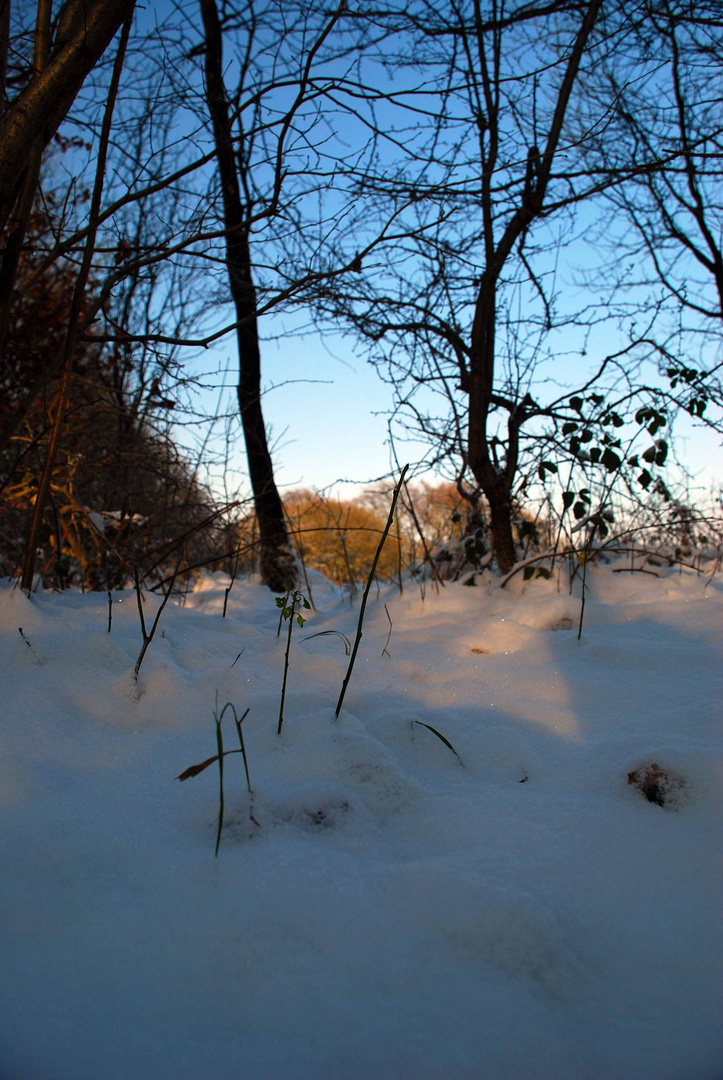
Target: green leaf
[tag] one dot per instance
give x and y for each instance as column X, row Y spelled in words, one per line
column 597, row 399
column 579, row 510
column 586, row 435
column 574, row 445
column 528, row 573
column 645, row 479
column 649, row 455
column 599, row 524
column 546, row 466
column 568, row 498
column 662, row 452
column 610, row 460
column 576, row 403
column 569, row 427
column 617, row 420
column 595, row 454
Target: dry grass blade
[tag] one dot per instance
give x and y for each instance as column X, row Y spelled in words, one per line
column 336, row 633
column 241, row 741
column 219, row 758
column 440, row 736
column 385, row 650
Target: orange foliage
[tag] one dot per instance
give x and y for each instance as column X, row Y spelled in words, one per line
column 339, row 538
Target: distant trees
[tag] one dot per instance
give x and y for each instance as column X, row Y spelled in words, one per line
column 338, row 537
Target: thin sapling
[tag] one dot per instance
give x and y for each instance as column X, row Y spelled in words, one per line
column 148, row 637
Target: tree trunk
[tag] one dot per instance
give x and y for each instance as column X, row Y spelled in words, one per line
column 29, row 181
column 38, row 112
column 501, row 526
column 276, row 560
column 495, row 481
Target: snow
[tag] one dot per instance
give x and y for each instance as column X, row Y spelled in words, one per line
column 398, row 913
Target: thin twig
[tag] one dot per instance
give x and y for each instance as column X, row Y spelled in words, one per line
column 148, row 638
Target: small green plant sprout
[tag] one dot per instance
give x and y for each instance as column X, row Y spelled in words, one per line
column 194, row 770
column 289, row 605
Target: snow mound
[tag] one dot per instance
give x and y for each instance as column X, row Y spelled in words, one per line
column 457, row 878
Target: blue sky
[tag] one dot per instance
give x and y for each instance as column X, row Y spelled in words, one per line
column 332, row 430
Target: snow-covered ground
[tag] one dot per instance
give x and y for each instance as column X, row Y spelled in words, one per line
column 524, row 914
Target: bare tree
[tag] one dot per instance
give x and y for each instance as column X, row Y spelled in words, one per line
column 481, row 139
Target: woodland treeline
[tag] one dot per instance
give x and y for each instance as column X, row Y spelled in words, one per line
column 514, row 210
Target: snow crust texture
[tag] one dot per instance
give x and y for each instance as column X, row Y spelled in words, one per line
column 383, row 909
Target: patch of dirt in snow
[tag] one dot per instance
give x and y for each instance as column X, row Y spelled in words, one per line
column 657, row 785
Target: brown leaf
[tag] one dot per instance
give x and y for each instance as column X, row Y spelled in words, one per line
column 194, row 770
